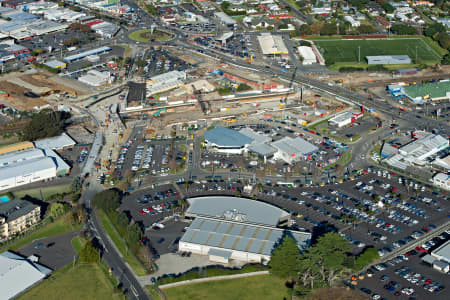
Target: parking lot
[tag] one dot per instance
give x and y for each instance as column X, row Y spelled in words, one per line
column 238, row 45
column 162, row 61
column 407, row 277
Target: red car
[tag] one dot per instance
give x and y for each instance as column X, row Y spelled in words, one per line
column 421, row 249
column 142, row 212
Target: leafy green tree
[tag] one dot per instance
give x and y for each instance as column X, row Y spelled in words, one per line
column 134, row 233
column 434, row 28
column 304, row 29
column 108, row 200
column 366, row 28
column 403, row 29
column 365, row 258
column 243, row 87
column 446, row 59
column 56, row 210
column 46, row 123
column 88, row 254
column 388, row 7
column 284, row 260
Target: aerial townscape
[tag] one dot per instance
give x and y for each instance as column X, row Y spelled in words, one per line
column 224, row 149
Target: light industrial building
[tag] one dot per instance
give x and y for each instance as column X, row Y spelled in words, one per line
column 345, row 118
column 230, row 228
column 388, row 59
column 434, row 91
column 95, row 78
column 87, row 53
column 19, row 274
column 16, row 216
column 55, row 64
column 292, row 150
column 307, row 54
column 25, row 163
column 225, row 19
column 442, row 181
column 272, row 45
column 442, row 253
column 165, row 82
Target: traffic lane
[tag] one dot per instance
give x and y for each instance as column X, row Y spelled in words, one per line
column 53, row 252
column 414, row 263
column 165, row 240
column 125, row 277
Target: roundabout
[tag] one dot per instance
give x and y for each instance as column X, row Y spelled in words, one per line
column 146, row 36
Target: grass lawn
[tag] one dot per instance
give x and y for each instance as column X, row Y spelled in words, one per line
column 145, row 36
column 347, row 50
column 55, row 228
column 345, row 158
column 46, row 191
column 85, row 281
column 78, row 243
column 262, row 287
column 120, row 244
column 152, row 291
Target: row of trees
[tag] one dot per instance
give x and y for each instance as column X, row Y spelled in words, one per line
column 321, row 265
column 46, row 123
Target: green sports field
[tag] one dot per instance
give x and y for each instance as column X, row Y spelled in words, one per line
column 346, row 51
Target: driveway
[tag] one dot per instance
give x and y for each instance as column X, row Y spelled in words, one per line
column 54, row 256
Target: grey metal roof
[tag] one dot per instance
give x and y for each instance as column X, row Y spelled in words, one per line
column 225, row 137
column 221, row 253
column 297, row 146
column 443, row 252
column 234, row 208
column 428, row 259
column 54, row 64
column 15, row 208
column 255, row 136
column 27, row 167
column 262, row 149
column 262, row 241
column 18, row 273
column 57, row 142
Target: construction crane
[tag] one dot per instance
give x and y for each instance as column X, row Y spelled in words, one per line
column 290, row 86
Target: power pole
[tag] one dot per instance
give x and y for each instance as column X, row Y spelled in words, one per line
column 416, row 54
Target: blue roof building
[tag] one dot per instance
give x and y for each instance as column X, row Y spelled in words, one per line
column 227, row 140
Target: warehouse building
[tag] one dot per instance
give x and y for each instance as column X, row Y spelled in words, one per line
column 292, row 150
column 442, row 253
column 55, row 64
column 87, row 53
column 165, row 82
column 16, row 216
column 95, row 78
column 272, row 45
column 423, row 146
column 25, row 163
column 388, row 59
column 225, row 19
column 231, row 228
column 434, row 91
column 345, row 118
column 307, row 54
column 442, row 181
column 19, row 274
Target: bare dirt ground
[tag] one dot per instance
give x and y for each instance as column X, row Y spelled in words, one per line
column 16, row 97
column 43, row 79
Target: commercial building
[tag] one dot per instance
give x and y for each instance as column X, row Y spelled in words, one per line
column 87, row 53
column 388, row 59
column 95, row 78
column 434, row 91
column 223, row 38
column 423, row 146
column 442, row 253
column 345, row 118
column 442, row 181
column 293, row 149
column 25, row 163
column 17, row 216
column 165, row 82
column 19, row 274
column 230, row 228
column 55, row 64
column 227, row 140
column 307, row 55
column 272, row 45
column 225, row 19
column 56, row 143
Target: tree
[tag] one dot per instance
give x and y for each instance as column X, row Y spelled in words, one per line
column 140, row 63
column 134, row 234
column 283, row 262
column 431, row 30
column 366, row 28
column 46, row 123
column 122, row 220
column 316, row 28
column 365, row 258
column 403, row 29
column 446, row 59
column 108, row 200
column 243, row 87
column 388, row 7
column 304, row 29
column 56, row 210
column 88, row 254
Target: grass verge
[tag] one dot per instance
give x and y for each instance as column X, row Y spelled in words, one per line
column 263, row 287
column 120, row 244
column 46, row 191
column 78, row 243
column 84, row 281
column 60, row 226
column 211, row 272
column 345, row 159
column 145, row 36
column 153, row 292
